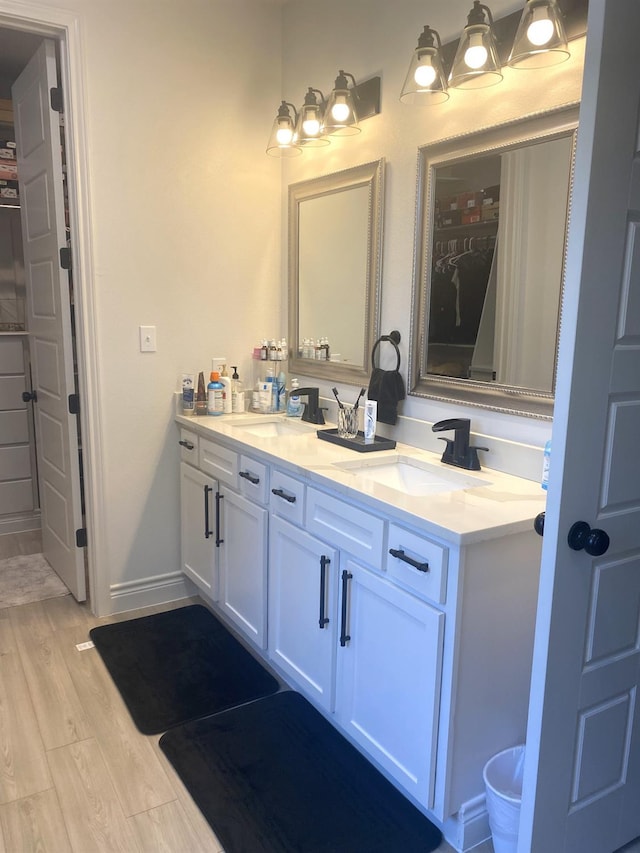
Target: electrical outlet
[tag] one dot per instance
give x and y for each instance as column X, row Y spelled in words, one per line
column 148, row 339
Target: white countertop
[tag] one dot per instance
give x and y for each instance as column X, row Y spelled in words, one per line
column 499, row 505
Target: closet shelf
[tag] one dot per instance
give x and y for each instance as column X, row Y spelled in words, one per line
column 489, row 225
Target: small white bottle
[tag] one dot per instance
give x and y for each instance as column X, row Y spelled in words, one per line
column 237, row 393
column 370, row 418
column 227, row 404
column 294, row 404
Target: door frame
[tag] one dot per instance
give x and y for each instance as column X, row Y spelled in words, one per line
column 66, row 29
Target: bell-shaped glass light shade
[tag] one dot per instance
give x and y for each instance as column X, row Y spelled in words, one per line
column 476, row 64
column 310, row 126
column 340, row 116
column 425, row 83
column 541, row 39
column 283, row 140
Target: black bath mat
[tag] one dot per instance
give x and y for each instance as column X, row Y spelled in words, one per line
column 275, row 777
column 177, row 666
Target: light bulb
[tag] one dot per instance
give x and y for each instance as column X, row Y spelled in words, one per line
column 540, row 32
column 340, row 111
column 476, row 54
column 284, row 135
column 311, row 126
column 425, row 74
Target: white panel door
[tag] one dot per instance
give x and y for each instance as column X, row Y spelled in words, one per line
column 389, row 666
column 49, row 315
column 243, row 566
column 582, row 774
column 302, row 609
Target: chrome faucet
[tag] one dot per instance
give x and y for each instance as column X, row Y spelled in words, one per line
column 312, row 413
column 458, row 450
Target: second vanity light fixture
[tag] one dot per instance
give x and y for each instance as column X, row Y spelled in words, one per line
column 318, row 119
column 540, row 40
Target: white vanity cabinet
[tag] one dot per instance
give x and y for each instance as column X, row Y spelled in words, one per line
column 303, row 580
column 225, row 533
column 388, row 676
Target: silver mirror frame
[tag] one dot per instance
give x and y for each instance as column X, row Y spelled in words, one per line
column 370, row 175
column 503, row 398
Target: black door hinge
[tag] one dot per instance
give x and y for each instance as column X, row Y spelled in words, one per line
column 56, row 99
column 65, row 258
column 81, row 537
column 74, row 404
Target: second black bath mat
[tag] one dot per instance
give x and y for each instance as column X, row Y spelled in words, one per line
column 274, row 776
column 179, row 665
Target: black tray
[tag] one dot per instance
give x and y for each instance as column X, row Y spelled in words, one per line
column 356, row 443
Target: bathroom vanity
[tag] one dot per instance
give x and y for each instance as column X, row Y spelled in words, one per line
column 396, row 593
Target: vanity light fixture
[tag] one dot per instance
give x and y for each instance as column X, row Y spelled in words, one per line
column 540, row 39
column 340, row 117
column 310, row 125
column 476, row 62
column 426, row 82
column 283, row 140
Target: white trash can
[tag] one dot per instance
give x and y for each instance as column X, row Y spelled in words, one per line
column 503, row 784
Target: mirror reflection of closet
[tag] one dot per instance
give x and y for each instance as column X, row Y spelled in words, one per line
column 480, row 326
column 490, row 250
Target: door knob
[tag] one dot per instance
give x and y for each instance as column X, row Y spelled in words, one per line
column 594, row 541
column 29, row 396
column 538, row 524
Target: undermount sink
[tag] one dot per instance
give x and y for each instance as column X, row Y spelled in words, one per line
column 272, row 428
column 410, row 476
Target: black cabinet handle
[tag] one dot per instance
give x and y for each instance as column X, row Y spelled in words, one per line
column 187, row 444
column 400, row 555
column 247, row 475
column 219, row 498
column 344, row 637
column 207, row 532
column 324, row 562
column 282, row 494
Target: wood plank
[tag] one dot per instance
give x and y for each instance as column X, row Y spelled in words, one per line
column 23, row 766
column 35, row 823
column 89, row 803
column 167, row 829
column 58, row 709
column 137, row 775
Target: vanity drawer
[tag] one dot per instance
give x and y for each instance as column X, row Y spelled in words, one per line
column 429, row 576
column 286, row 497
column 351, row 529
column 254, row 480
column 218, row 462
column 188, row 447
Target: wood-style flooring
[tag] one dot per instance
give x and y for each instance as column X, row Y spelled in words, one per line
column 76, row 776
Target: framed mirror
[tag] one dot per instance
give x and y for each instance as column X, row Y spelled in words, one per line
column 335, row 248
column 491, row 226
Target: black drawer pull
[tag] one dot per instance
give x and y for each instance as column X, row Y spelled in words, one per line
column 219, row 498
column 400, row 555
column 282, row 494
column 324, row 562
column 207, row 532
column 247, row 475
column 187, row 444
column 344, row 637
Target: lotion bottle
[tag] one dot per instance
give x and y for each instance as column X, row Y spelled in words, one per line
column 214, row 395
column 227, row 404
column 237, row 393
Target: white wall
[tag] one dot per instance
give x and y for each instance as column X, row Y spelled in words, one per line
column 377, row 37
column 185, row 231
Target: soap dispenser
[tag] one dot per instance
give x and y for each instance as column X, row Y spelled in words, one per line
column 237, row 392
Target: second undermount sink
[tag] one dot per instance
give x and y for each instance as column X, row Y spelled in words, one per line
column 410, row 476
column 272, row 428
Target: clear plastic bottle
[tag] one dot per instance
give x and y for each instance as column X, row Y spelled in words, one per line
column 215, row 388
column 294, row 404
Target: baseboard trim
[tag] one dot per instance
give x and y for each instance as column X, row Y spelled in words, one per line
column 160, row 589
column 469, row 827
column 20, row 523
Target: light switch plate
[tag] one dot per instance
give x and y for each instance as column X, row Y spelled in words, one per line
column 148, row 339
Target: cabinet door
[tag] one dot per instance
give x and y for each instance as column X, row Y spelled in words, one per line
column 302, row 609
column 198, row 535
column 243, row 566
column 389, row 677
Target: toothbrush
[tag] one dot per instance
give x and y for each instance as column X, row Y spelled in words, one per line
column 357, row 403
column 335, row 394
